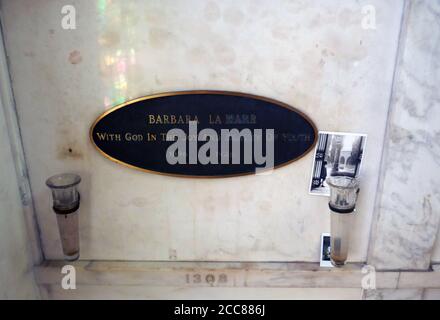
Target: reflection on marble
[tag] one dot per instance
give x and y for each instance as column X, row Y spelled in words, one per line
column 314, row 55
column 409, row 208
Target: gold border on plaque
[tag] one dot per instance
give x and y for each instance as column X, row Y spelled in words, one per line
column 178, row 93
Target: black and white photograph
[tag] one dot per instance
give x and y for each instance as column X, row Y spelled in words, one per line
column 324, row 261
column 336, row 154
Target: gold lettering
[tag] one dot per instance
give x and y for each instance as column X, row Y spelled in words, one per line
column 218, row 120
column 176, row 119
column 101, row 136
column 108, row 136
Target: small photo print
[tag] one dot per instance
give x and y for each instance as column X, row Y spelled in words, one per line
column 325, row 251
column 336, row 154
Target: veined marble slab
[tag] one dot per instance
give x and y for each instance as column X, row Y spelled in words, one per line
column 268, row 280
column 431, row 294
column 201, row 293
column 408, row 213
column 214, row 274
column 393, row 294
column 16, row 278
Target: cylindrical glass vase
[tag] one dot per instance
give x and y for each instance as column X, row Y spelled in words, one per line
column 343, row 196
column 340, row 237
column 66, row 200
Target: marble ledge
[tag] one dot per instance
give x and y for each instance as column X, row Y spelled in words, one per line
column 230, row 274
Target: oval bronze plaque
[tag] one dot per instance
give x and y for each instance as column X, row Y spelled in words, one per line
column 203, row 134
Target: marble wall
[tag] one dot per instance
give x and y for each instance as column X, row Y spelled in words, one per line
column 314, row 55
column 408, row 214
column 16, row 277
